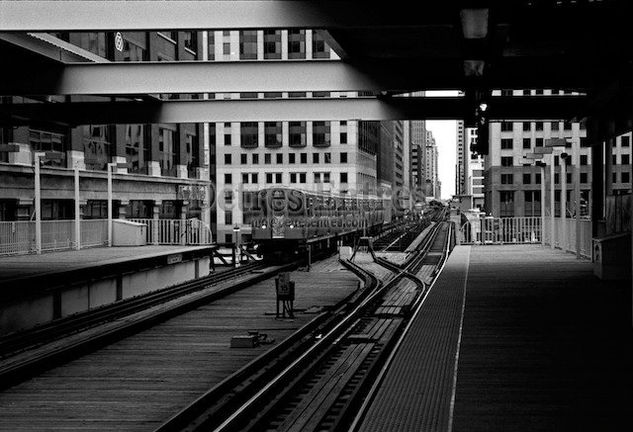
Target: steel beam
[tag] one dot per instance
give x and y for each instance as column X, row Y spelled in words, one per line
column 319, row 109
column 117, row 15
column 265, row 76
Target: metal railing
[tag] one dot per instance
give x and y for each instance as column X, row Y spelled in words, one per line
column 176, row 231
column 567, row 240
column 18, row 237
column 501, row 231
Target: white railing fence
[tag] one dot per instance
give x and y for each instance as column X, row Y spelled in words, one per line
column 527, row 230
column 18, row 237
column 501, row 231
column 176, row 231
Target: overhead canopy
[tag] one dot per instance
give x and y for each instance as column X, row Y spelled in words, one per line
column 475, row 46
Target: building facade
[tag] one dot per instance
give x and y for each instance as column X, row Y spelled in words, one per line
column 433, row 186
column 461, row 160
column 513, row 188
column 160, row 170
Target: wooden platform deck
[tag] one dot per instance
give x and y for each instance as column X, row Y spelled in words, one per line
column 543, row 346
column 139, row 382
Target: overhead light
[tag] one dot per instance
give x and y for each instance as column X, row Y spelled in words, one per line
column 483, row 106
column 474, row 23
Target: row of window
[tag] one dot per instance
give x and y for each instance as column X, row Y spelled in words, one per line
column 532, row 203
column 528, row 143
column 248, row 41
column 538, row 126
column 508, row 178
column 249, row 134
column 292, row 158
column 277, row 177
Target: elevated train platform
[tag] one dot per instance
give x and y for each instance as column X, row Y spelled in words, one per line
column 512, row 338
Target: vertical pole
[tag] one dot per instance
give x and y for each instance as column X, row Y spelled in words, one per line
column 77, row 215
column 109, row 169
column 542, row 205
column 563, row 203
column 38, row 205
column 309, row 256
column 576, row 153
column 552, row 204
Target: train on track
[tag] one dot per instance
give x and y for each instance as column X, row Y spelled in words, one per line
column 285, row 221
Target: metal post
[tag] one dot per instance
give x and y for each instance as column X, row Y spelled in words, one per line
column 576, row 150
column 109, row 169
column 77, row 215
column 563, row 203
column 552, row 204
column 542, row 204
column 38, row 204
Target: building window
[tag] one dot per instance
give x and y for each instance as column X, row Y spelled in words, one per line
column 317, row 177
column 228, row 217
column 291, row 158
column 539, row 125
column 228, row 178
column 168, row 151
column 583, row 159
column 134, row 46
column 583, row 177
column 554, row 126
column 190, row 40
column 527, row 143
column 280, row 158
column 248, row 45
column 272, row 44
column 243, row 159
column 248, row 134
column 343, row 178
column 538, row 142
column 50, row 142
column 527, row 178
column 319, row 47
column 327, row 158
column 506, row 201
column 255, row 159
column 278, row 178
column 527, row 126
column 506, row 143
column 297, row 134
column 304, row 158
column 228, row 238
column 302, row 177
column 343, row 138
column 97, row 147
column 255, row 178
column 268, row 158
column 556, row 178
column 614, row 177
column 584, row 142
column 614, row 159
column 211, row 45
column 320, row 134
column 506, row 127
column 245, row 178
column 227, row 159
column 532, row 203
column 506, row 161
column 293, row 177
column 272, row 134
column 625, row 141
column 296, row 44
column 137, row 149
column 315, row 158
column 228, row 197
column 269, row 177
column 226, row 48
column 343, row 157
column 626, row 177
column 227, row 138
column 625, row 159
column 507, row 178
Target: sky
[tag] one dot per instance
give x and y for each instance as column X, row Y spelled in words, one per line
column 445, row 134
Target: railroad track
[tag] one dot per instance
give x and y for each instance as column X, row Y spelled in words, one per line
column 319, row 381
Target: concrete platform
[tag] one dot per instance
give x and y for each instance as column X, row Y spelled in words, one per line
column 138, row 383
column 513, row 338
column 20, row 267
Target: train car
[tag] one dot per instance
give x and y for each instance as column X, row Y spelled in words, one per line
column 285, row 221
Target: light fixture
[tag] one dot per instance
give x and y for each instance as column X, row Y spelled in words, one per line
column 264, row 226
column 236, row 228
column 474, row 23
column 483, row 107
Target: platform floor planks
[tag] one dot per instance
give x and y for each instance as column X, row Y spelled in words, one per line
column 139, row 382
column 545, row 346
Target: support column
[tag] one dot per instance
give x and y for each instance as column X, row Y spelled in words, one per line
column 183, row 222
column 552, row 203
column 608, row 158
column 155, row 222
column 543, row 173
column 563, row 204
column 597, row 176
column 576, row 163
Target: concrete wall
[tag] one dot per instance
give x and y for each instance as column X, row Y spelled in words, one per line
column 26, row 313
